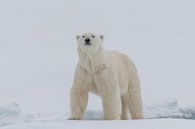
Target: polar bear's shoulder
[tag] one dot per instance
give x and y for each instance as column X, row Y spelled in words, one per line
column 122, row 57
column 119, row 55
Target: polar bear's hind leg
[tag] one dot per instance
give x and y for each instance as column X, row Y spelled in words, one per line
column 125, row 109
column 135, row 101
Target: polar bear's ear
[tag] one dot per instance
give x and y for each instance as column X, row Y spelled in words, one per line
column 77, row 37
column 102, row 37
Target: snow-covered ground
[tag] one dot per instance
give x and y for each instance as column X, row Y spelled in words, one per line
column 38, row 57
column 138, row 124
column 11, row 116
column 38, row 47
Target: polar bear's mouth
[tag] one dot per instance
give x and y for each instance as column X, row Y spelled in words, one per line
column 88, row 44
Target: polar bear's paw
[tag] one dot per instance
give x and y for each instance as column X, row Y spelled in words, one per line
column 74, row 118
column 112, row 118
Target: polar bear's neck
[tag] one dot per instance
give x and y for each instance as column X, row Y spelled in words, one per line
column 90, row 60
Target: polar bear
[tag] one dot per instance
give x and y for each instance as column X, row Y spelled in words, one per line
column 108, row 74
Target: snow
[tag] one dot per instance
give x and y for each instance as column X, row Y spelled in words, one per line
column 12, row 113
column 168, row 109
column 189, row 112
column 12, row 116
column 136, row 124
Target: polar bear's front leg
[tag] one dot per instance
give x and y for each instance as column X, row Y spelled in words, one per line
column 79, row 94
column 112, row 104
column 107, row 85
column 79, row 101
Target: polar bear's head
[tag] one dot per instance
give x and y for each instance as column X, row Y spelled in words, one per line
column 90, row 41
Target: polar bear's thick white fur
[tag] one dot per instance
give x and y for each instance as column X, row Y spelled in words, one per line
column 109, row 74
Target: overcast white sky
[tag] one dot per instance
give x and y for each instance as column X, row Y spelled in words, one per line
column 38, row 48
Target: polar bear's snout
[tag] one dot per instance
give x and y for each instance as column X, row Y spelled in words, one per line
column 88, row 41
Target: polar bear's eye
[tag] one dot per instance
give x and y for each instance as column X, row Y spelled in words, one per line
column 83, row 36
column 93, row 36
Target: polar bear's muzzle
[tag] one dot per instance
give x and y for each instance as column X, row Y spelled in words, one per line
column 88, row 41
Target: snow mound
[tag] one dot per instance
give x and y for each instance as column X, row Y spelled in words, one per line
column 12, row 113
column 188, row 112
column 167, row 109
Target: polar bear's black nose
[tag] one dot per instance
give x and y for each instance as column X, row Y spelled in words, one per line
column 87, row 40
